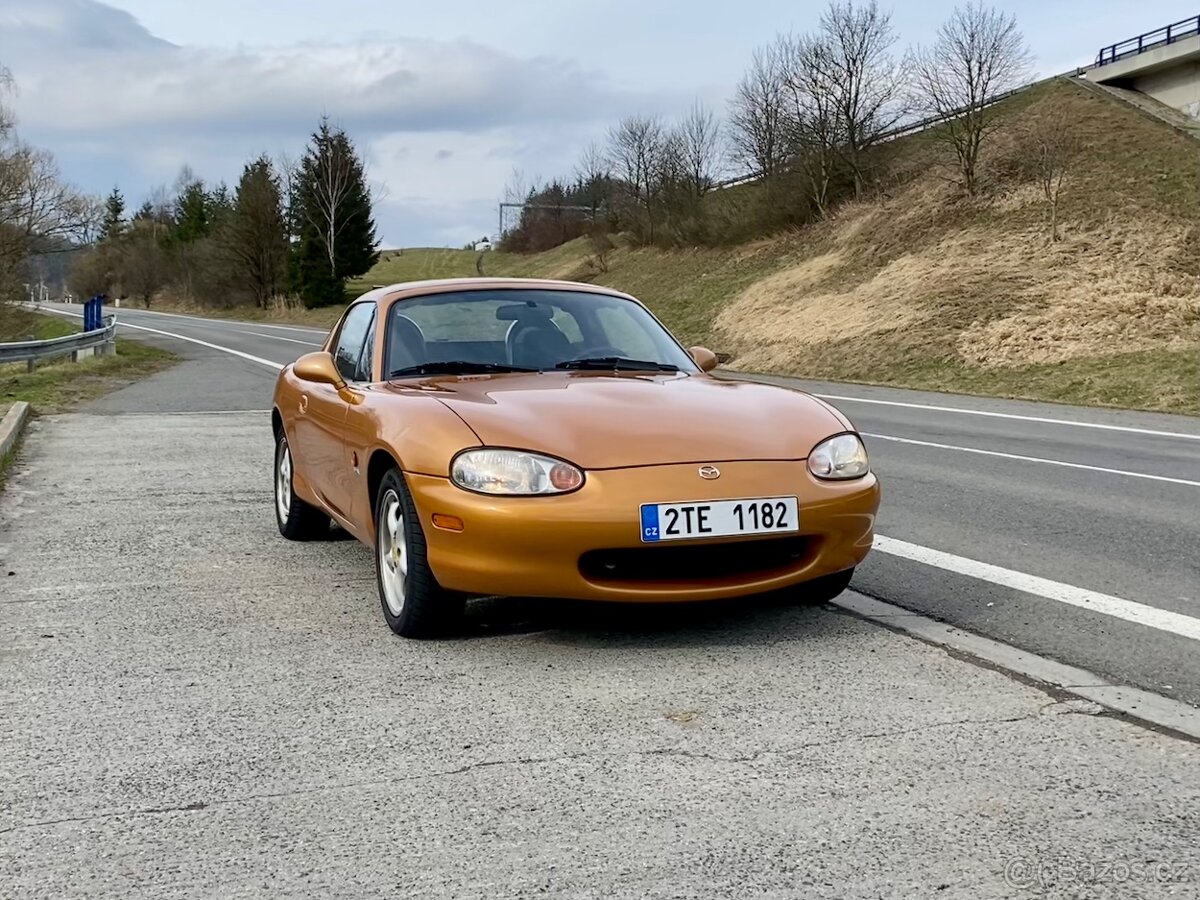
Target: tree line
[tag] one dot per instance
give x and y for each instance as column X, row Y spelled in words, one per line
column 287, row 232
column 806, row 120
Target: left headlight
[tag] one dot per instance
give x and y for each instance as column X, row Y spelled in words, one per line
column 513, row 473
column 839, row 457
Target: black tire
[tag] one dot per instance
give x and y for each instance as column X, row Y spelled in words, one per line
column 426, row 609
column 297, row 520
column 824, row 589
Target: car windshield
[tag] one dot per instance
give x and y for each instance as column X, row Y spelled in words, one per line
column 518, row 330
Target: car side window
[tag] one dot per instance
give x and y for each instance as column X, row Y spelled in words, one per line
column 368, row 354
column 351, row 339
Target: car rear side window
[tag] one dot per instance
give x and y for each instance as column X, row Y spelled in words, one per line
column 352, row 339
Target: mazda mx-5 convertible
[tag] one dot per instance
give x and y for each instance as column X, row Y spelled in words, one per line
column 550, row 439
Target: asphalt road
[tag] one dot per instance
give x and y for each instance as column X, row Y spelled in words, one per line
column 1083, row 515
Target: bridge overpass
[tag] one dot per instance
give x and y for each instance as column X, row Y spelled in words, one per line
column 1163, row 64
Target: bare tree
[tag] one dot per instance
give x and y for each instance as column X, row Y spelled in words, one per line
column 36, row 201
column 518, row 189
column 698, row 145
column 865, row 79
column 143, row 266
column 814, row 129
column 594, row 174
column 638, row 150
column 979, row 54
column 7, row 86
column 1049, row 147
column 758, row 115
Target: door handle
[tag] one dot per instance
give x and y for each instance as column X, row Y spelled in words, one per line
column 303, row 404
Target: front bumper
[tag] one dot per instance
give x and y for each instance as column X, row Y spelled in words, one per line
column 547, row 546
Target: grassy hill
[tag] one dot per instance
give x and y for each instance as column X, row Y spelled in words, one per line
column 923, row 289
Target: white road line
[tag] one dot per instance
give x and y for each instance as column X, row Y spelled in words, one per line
column 1034, row 459
column 1127, row 610
column 215, row 321
column 998, row 415
column 276, row 337
column 191, row 340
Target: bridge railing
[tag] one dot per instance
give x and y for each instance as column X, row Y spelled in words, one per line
column 1159, row 37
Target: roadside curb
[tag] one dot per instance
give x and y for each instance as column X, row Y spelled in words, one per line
column 10, row 427
column 1144, row 707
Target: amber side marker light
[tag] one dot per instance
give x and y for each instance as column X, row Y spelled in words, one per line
column 447, row 523
column 565, row 478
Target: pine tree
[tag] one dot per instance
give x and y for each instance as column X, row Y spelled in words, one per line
column 193, row 213
column 113, row 225
column 332, row 215
column 254, row 232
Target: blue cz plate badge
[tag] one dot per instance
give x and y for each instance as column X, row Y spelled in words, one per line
column 719, row 518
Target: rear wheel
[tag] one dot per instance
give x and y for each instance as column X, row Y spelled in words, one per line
column 297, row 520
column 414, row 604
column 825, row 588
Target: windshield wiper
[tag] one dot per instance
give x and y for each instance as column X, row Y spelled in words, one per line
column 458, row 367
column 617, row 363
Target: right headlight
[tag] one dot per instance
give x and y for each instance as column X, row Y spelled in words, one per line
column 840, row 457
column 513, row 473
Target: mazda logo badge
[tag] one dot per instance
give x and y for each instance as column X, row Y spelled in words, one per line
column 709, row 472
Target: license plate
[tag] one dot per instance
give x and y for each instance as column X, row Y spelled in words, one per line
column 719, row 518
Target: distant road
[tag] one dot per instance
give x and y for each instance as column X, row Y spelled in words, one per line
column 1069, row 532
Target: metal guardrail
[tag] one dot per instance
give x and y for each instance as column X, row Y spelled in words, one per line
column 1158, row 38
column 32, row 351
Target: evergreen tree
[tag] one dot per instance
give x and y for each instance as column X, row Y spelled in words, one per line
column 220, row 205
column 332, row 215
column 193, row 213
column 113, row 225
column 254, row 231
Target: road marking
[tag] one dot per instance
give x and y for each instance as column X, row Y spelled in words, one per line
column 999, row 415
column 1035, row 459
column 215, row 321
column 276, row 337
column 1127, row 610
column 191, row 340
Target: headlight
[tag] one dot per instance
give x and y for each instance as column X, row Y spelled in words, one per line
column 843, row 456
column 513, row 473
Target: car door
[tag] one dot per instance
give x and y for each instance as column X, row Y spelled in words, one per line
column 321, row 417
column 359, row 434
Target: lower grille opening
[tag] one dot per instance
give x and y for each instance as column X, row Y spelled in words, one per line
column 694, row 562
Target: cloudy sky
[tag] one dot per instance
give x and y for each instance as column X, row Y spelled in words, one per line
column 445, row 99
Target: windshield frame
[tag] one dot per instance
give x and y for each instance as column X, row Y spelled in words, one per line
column 686, row 364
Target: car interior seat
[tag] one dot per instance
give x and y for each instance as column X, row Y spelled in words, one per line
column 406, row 344
column 536, row 343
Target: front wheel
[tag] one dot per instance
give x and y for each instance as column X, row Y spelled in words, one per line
column 297, row 520
column 414, row 604
column 825, row 588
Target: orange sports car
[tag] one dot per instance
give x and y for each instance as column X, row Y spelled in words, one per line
column 550, row 439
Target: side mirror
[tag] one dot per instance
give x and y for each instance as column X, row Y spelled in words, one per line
column 705, row 358
column 320, row 368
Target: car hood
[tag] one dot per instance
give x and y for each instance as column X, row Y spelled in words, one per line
column 602, row 420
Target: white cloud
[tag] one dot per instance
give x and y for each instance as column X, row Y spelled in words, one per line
column 442, row 123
